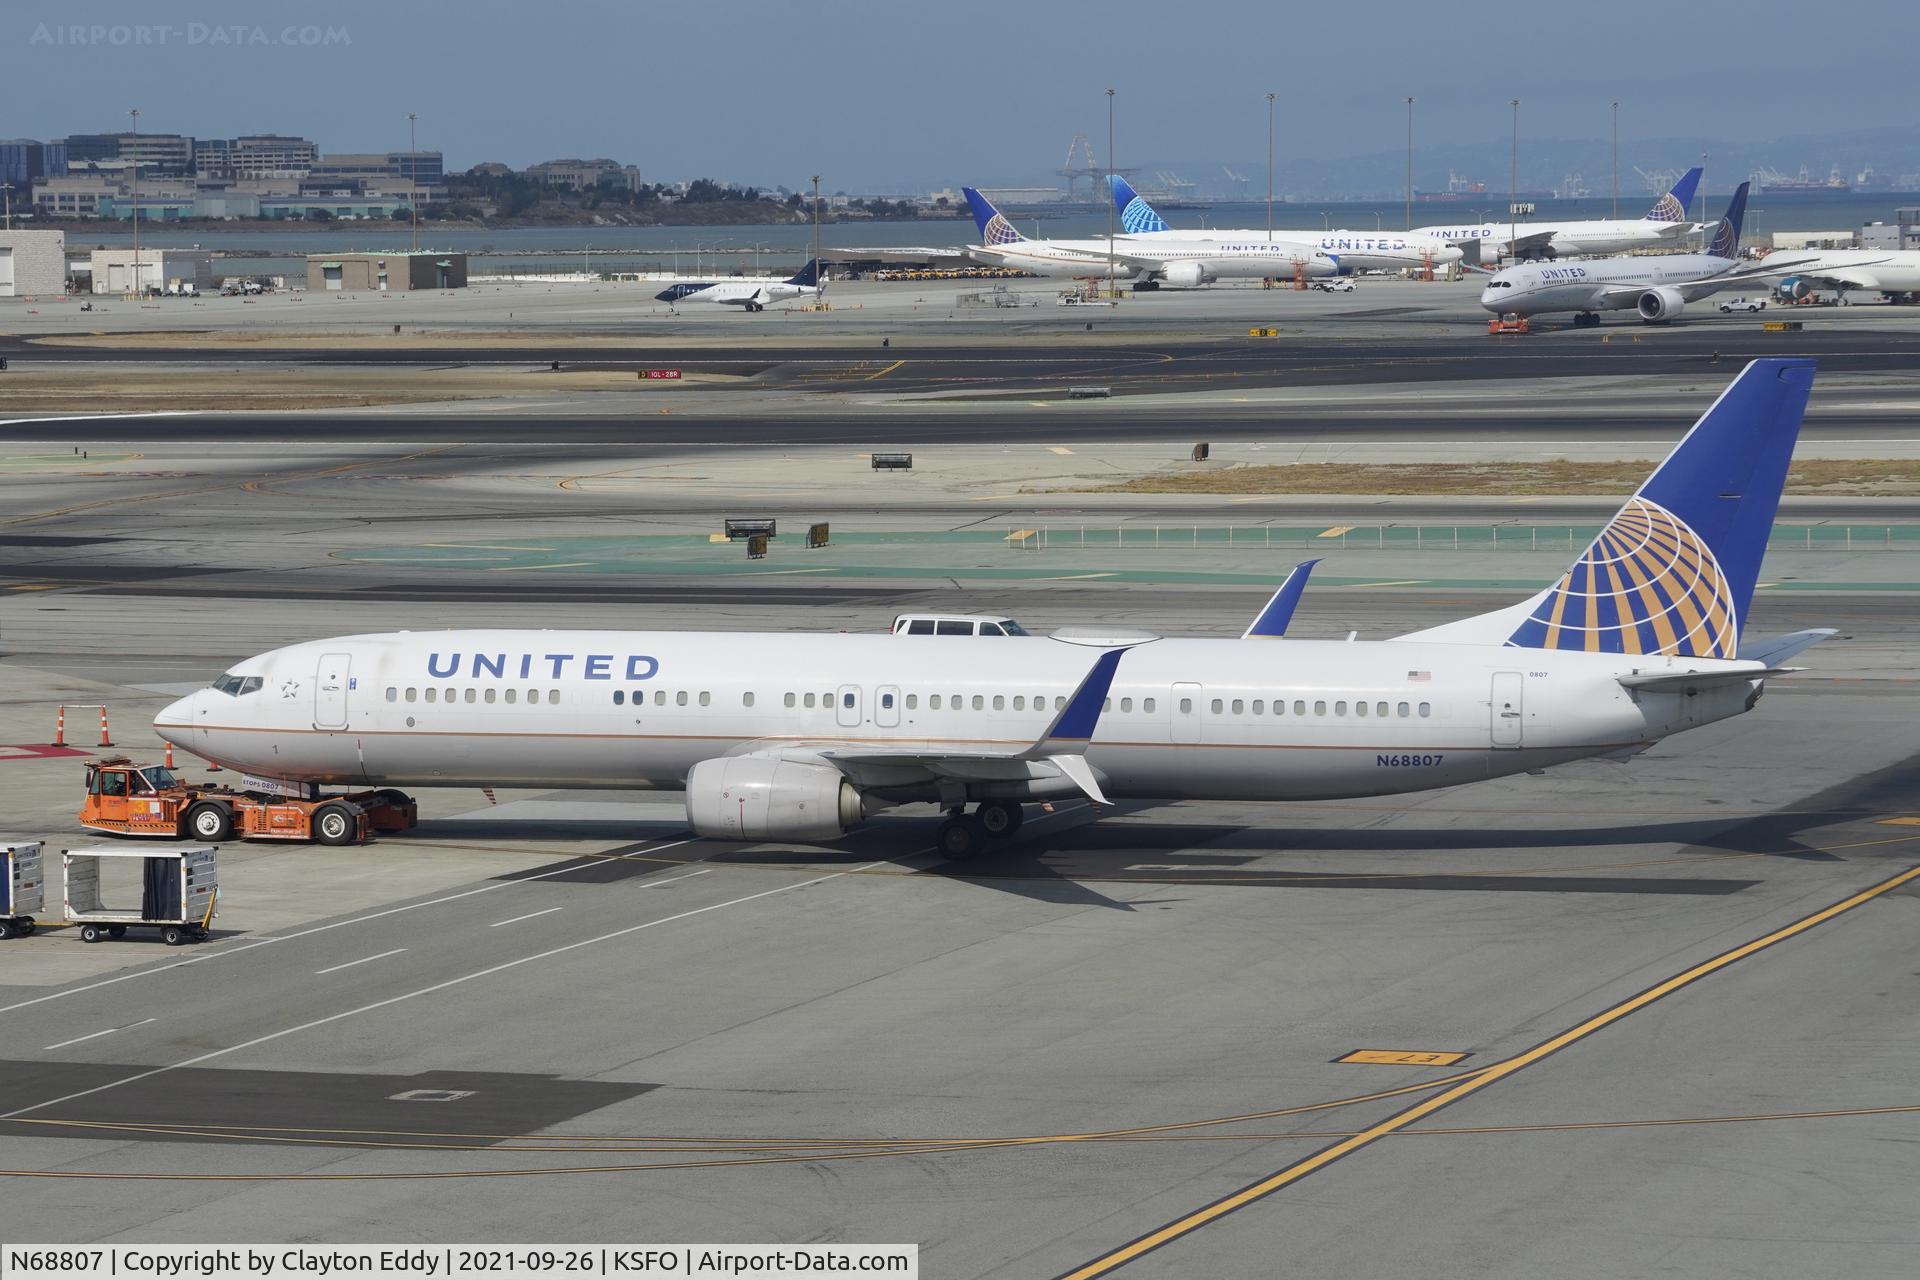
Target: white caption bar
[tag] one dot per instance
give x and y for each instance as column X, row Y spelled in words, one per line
column 454, row 1262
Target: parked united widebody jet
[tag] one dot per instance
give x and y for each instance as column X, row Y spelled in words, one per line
column 748, row 295
column 801, row 736
column 1664, row 224
column 1178, row 262
column 1349, row 250
column 1894, row 273
column 1658, row 286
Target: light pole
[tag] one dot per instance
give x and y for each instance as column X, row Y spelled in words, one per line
column 1513, row 182
column 816, row 237
column 413, row 185
column 1705, row 213
column 1269, row 167
column 1616, row 160
column 1110, row 208
column 1409, row 164
column 135, row 113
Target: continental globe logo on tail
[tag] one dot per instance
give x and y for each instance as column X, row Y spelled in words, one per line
column 1648, row 584
column 999, row 231
column 1139, row 216
column 1668, row 209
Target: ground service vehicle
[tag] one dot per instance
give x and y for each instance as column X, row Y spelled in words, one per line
column 1748, row 305
column 149, row 800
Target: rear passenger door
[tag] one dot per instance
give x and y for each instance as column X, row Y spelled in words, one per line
column 846, row 706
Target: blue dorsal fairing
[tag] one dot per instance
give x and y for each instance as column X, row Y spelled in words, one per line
column 1677, row 204
column 1136, row 215
column 1726, row 237
column 1675, row 570
column 993, row 225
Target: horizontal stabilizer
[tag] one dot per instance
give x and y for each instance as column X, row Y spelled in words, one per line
column 1691, row 681
column 1773, row 650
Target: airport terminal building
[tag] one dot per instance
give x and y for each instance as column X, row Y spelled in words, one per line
column 32, row 263
column 385, row 272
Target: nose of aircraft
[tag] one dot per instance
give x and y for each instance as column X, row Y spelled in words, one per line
column 1490, row 297
column 178, row 719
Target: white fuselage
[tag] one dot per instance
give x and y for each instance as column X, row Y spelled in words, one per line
column 1608, row 284
column 1223, row 719
column 741, row 293
column 1890, row 271
column 1567, row 239
column 1352, row 250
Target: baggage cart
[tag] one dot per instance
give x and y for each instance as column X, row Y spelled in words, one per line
column 22, row 888
column 171, row 888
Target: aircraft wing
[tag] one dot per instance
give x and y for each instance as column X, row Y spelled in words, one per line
column 1853, row 277
column 1060, row 751
column 1529, row 242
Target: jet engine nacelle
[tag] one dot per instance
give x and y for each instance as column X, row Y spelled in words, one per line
column 1793, row 288
column 1657, row 306
column 754, row 798
column 1187, row 275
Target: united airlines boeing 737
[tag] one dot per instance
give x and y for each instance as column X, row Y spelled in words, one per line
column 801, row 737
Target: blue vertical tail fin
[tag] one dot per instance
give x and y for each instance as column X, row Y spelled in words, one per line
column 1136, row 215
column 993, row 225
column 1677, row 204
column 1726, row 237
column 809, row 276
column 1674, row 572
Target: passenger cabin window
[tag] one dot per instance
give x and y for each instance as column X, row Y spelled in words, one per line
column 788, row 700
column 955, row 628
column 746, row 699
column 920, row 627
column 705, row 698
column 999, row 703
column 933, row 702
column 1259, row 706
column 1359, row 708
column 1319, row 708
column 809, row 701
column 413, row 695
column 619, row 697
column 1402, row 709
column 913, row 701
column 433, row 695
column 979, row 703
column 1186, row 706
column 513, row 696
column 1146, row 705
column 680, row 698
column 393, row 694
column 492, row 694
column 1216, row 708
column 473, row 695
column 1380, row 709
column 1300, row 707
column 1340, row 708
column 1426, row 709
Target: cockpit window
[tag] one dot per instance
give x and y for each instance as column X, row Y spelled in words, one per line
column 237, row 686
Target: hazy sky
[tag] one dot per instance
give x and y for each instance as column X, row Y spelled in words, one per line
column 876, row 93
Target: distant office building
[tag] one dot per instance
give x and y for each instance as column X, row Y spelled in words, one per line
column 490, row 169
column 253, row 157
column 25, row 161
column 32, row 263
column 1902, row 233
column 165, row 270
column 74, row 196
column 85, row 148
column 385, row 272
column 310, row 208
column 583, row 175
column 357, row 173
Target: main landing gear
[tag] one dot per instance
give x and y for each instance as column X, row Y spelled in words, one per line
column 1584, row 319
column 965, row 835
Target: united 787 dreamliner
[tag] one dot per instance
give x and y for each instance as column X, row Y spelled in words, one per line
column 800, row 737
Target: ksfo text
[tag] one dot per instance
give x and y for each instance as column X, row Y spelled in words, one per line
column 455, row 1262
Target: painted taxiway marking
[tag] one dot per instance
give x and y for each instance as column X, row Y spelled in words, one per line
column 1336, row 531
column 1060, row 449
column 1475, row 1082
column 96, row 1035
column 528, row 568
column 484, row 546
column 531, row 915
column 571, row 864
column 362, row 960
column 1403, row 1057
column 437, row 987
column 1900, row 822
column 1076, row 577
column 872, row 377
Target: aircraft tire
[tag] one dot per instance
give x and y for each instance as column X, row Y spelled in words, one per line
column 961, row 838
column 1000, row 818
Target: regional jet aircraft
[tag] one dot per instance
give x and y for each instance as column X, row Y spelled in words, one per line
column 1658, row 286
column 800, row 737
column 749, row 295
column 1664, row 224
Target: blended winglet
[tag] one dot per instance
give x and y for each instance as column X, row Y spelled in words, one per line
column 1273, row 620
column 1073, row 728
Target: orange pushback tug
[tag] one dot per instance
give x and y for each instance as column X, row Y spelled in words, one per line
column 148, row 800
